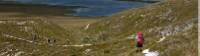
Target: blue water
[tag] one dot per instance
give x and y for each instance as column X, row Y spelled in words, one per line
column 91, row 7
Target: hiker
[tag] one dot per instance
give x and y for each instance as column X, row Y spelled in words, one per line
column 139, row 41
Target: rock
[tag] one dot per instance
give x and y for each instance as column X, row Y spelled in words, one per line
column 146, row 52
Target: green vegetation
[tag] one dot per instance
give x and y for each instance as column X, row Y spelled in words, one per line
column 47, row 35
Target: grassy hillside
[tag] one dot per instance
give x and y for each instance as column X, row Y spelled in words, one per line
column 171, row 19
column 46, row 36
column 32, row 36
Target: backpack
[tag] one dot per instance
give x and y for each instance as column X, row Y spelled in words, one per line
column 140, row 38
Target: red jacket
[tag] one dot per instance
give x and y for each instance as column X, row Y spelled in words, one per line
column 140, row 38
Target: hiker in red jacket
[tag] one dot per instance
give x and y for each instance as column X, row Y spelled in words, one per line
column 139, row 41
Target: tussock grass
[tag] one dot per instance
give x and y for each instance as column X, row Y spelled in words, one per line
column 109, row 34
column 151, row 20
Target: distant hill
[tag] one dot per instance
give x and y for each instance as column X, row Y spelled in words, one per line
column 145, row 1
column 37, row 9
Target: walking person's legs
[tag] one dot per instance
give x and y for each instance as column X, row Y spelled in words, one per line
column 139, row 47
